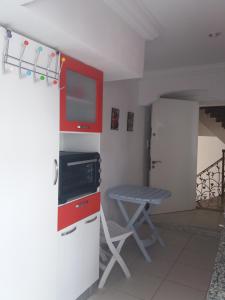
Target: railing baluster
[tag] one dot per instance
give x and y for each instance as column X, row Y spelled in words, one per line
column 222, row 185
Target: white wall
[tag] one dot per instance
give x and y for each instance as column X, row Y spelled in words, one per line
column 122, row 151
column 80, row 142
column 203, row 130
column 205, row 82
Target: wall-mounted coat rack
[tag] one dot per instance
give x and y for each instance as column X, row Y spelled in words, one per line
column 31, row 58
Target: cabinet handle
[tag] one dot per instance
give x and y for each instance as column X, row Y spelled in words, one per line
column 91, row 220
column 81, row 204
column 56, row 172
column 69, row 231
column 83, row 127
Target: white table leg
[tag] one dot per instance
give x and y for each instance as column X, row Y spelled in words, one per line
column 152, row 227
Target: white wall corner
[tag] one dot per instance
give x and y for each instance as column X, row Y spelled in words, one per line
column 136, row 14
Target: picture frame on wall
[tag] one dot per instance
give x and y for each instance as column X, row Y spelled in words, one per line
column 115, row 114
column 130, row 121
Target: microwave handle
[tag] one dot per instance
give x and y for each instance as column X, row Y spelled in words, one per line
column 56, row 170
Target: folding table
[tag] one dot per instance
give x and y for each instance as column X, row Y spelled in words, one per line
column 144, row 198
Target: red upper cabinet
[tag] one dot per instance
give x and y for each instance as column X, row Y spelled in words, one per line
column 80, row 96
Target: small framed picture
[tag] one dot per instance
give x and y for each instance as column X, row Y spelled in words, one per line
column 130, row 121
column 115, row 118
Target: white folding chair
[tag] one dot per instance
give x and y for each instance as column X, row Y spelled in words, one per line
column 114, row 236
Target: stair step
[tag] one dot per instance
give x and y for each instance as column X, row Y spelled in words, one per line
column 216, row 112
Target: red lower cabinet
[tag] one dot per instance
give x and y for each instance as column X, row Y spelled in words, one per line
column 77, row 210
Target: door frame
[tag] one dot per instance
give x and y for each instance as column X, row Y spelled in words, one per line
column 147, row 145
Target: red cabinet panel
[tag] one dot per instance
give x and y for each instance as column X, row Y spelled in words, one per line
column 77, row 210
column 81, row 93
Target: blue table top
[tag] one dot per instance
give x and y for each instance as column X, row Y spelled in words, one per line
column 138, row 194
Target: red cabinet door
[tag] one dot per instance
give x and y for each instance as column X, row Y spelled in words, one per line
column 77, row 210
column 81, row 92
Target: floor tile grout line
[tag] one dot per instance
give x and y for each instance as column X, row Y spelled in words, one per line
column 172, row 266
column 128, row 294
column 209, row 270
column 186, row 285
column 123, row 292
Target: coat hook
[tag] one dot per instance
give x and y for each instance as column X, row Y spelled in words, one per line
column 23, row 48
column 6, row 49
column 63, row 59
column 38, row 52
column 50, row 58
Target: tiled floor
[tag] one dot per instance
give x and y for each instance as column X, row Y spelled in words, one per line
column 201, row 219
column 180, row 271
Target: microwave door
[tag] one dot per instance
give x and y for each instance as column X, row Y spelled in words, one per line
column 78, row 177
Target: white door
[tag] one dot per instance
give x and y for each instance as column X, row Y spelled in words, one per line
column 29, row 125
column 174, row 152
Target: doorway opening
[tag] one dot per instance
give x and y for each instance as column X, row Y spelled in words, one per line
column 210, row 184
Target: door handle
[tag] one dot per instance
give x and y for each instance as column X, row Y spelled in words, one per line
column 56, row 172
column 156, row 162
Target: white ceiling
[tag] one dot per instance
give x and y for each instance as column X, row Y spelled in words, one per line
column 110, row 34
column 137, row 15
column 183, row 38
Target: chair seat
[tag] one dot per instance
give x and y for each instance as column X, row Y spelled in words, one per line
column 117, row 232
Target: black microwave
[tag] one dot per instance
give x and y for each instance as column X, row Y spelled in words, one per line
column 79, row 174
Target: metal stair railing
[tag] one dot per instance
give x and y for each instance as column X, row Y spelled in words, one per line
column 210, row 185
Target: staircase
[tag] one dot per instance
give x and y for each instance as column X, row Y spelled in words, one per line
column 210, row 186
column 217, row 112
column 213, row 118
